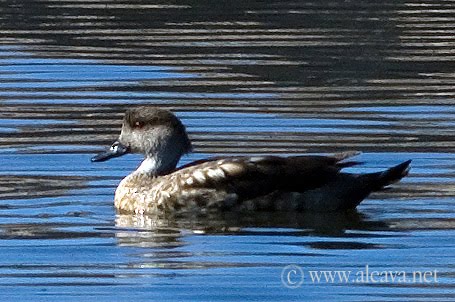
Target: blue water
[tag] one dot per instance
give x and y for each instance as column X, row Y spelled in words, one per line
column 249, row 78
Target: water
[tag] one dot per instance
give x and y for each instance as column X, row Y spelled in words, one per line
column 249, row 77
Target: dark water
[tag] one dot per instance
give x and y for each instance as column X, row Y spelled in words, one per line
column 281, row 77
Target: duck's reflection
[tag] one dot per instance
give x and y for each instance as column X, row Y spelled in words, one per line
column 154, row 231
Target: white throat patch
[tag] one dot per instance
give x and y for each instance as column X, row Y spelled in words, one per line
column 148, row 166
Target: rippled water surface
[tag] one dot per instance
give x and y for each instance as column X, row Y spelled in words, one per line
column 281, row 77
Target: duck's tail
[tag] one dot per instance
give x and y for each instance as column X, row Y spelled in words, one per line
column 348, row 190
column 357, row 187
column 389, row 176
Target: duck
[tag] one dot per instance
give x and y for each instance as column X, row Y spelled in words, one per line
column 303, row 183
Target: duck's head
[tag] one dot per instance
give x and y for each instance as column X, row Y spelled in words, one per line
column 154, row 132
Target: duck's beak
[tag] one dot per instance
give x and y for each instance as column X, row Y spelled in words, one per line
column 116, row 150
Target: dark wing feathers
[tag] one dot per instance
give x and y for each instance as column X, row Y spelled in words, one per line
column 318, row 178
column 254, row 176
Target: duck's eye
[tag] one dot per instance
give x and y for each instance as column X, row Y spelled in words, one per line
column 138, row 125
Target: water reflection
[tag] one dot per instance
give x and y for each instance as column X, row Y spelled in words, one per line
column 154, row 230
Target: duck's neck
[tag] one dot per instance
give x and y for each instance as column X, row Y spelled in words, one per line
column 155, row 167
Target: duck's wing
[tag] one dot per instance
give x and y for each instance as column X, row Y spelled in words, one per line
column 249, row 177
column 303, row 183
